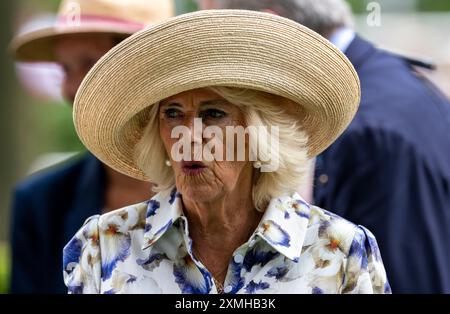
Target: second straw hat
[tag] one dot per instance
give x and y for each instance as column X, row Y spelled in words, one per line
column 115, row 17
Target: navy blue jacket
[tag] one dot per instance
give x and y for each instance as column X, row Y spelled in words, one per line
column 390, row 171
column 48, row 210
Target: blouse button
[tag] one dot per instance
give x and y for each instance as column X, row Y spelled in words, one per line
column 238, row 258
column 228, row 289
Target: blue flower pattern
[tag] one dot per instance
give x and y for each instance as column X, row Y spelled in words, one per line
column 296, row 248
column 252, row 287
column 190, row 278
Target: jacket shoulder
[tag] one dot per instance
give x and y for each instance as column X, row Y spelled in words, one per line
column 53, row 176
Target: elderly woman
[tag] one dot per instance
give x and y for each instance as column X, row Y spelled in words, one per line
column 167, row 105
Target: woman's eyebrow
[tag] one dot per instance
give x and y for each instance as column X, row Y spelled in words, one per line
column 171, row 104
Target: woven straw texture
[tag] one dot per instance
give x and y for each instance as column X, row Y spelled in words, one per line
column 235, row 48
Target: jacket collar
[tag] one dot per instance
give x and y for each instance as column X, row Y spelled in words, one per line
column 342, row 38
column 359, row 51
column 283, row 226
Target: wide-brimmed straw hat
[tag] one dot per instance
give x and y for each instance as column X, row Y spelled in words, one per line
column 234, row 48
column 115, row 17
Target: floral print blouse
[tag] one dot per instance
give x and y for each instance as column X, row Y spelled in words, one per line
column 297, row 248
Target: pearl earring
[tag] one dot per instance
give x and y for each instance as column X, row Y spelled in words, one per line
column 168, row 163
column 257, row 164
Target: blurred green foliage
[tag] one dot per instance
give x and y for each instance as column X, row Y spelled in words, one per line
column 4, row 267
column 57, row 132
column 184, row 6
column 433, row 5
column 360, row 6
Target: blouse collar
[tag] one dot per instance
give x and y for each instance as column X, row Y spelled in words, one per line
column 283, row 225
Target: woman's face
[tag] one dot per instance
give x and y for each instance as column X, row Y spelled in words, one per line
column 76, row 55
column 198, row 178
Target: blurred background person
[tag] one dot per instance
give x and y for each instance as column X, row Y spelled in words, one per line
column 50, row 205
column 390, row 171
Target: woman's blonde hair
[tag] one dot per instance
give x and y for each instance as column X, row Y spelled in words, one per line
column 259, row 108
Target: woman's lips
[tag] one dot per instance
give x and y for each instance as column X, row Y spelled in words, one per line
column 192, row 168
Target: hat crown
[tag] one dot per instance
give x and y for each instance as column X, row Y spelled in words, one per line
column 136, row 11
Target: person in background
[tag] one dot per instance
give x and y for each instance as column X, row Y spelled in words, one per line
column 49, row 206
column 390, row 170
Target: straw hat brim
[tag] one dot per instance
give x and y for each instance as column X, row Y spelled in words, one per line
column 233, row 48
column 38, row 46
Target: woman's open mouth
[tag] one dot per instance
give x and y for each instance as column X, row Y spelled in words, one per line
column 192, row 168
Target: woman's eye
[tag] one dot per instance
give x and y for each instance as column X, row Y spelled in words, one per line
column 213, row 114
column 172, row 113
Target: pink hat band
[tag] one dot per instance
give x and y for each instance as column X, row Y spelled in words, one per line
column 70, row 21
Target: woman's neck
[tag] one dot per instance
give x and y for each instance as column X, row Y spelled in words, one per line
column 228, row 219
column 219, row 227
